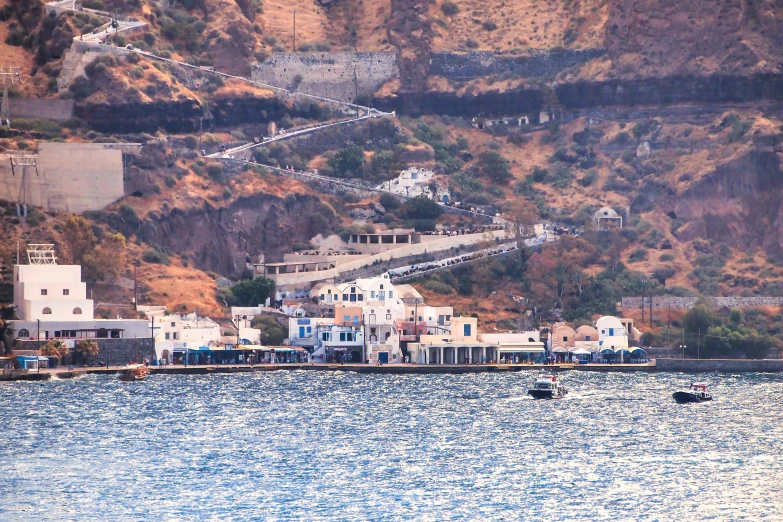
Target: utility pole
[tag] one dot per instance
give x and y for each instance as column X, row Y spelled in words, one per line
column 668, row 320
column 294, row 49
column 683, row 342
column 698, row 346
column 642, row 307
column 651, row 308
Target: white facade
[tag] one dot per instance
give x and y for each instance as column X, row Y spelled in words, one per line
column 609, row 326
column 415, row 182
column 183, row 332
column 51, row 303
column 51, row 293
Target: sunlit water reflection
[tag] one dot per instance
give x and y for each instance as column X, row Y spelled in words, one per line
column 317, row 445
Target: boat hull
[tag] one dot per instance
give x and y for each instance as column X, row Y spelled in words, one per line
column 545, row 394
column 686, row 397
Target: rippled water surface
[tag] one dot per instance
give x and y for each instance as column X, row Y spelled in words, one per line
column 340, row 446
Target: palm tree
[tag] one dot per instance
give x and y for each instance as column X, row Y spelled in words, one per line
column 56, row 349
column 86, row 348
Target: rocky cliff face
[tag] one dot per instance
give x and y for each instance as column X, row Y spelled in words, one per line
column 740, row 203
column 217, row 238
column 664, row 37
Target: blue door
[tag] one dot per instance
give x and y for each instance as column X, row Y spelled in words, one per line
column 383, row 357
column 611, row 331
column 301, row 332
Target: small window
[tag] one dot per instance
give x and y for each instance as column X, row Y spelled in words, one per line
column 173, row 324
column 66, row 291
column 346, row 318
column 309, row 330
column 77, row 311
column 168, row 335
column 345, row 297
column 390, row 294
column 353, row 289
column 322, row 297
column 587, row 337
column 46, row 311
column 381, row 287
column 24, row 333
column 355, row 319
column 57, row 333
column 565, row 338
column 44, row 291
column 372, row 294
column 174, row 336
column 115, row 334
column 388, row 317
column 361, row 297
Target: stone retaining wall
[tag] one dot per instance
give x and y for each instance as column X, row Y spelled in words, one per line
column 465, row 66
column 114, row 351
column 41, row 108
column 719, row 365
column 683, row 303
column 338, row 76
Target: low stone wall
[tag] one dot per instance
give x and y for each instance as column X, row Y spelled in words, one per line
column 113, row 351
column 465, row 66
column 41, row 108
column 719, row 365
column 683, row 303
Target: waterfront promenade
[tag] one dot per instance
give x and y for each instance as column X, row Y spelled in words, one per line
column 398, row 369
column 659, row 365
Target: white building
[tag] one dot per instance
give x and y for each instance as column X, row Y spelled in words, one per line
column 177, row 334
column 416, row 182
column 51, row 303
column 327, row 339
column 612, row 336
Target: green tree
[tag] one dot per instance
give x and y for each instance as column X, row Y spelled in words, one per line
column 86, row 348
column 466, row 182
column 699, row 318
column 272, row 333
column 78, row 235
column 421, row 207
column 348, row 162
column 495, row 167
column 56, row 349
column 389, row 201
column 381, row 164
column 253, row 292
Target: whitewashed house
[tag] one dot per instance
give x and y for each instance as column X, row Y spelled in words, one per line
column 51, row 303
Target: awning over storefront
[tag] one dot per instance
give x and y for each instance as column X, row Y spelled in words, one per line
column 581, row 351
column 520, row 348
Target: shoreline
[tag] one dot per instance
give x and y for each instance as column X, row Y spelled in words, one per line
column 659, row 365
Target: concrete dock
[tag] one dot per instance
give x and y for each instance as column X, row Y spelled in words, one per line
column 394, row 369
column 661, row 365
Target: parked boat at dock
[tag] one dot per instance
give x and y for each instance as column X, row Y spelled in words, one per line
column 134, row 372
column 697, row 392
column 547, row 387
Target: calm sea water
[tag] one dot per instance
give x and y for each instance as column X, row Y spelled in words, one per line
column 340, row 446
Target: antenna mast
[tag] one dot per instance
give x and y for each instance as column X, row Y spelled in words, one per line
column 19, row 163
column 9, row 75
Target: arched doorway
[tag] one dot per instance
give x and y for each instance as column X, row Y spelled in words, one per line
column 356, row 357
column 165, row 355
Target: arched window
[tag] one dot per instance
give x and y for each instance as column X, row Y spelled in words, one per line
column 77, row 311
column 24, row 333
column 47, row 311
